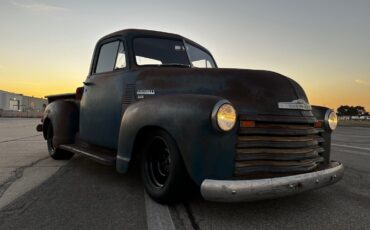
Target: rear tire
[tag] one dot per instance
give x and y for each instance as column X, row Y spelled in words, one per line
column 162, row 169
column 56, row 153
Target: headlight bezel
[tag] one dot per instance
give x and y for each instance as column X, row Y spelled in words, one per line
column 328, row 124
column 214, row 115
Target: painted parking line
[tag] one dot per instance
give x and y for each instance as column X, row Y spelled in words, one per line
column 351, row 147
column 352, row 151
column 350, row 135
column 158, row 216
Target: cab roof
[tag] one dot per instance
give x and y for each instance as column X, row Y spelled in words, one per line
column 133, row 33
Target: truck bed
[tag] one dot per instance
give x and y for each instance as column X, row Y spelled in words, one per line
column 64, row 96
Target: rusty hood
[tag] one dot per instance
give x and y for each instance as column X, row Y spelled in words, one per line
column 250, row 91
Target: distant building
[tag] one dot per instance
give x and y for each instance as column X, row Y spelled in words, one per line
column 344, row 117
column 362, row 118
column 18, row 102
column 355, row 118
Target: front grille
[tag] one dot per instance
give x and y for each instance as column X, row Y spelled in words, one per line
column 277, row 148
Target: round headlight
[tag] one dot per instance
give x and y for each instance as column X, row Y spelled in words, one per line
column 224, row 115
column 331, row 119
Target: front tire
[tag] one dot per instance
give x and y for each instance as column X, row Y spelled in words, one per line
column 162, row 169
column 56, row 153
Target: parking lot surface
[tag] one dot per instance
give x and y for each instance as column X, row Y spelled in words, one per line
column 39, row 193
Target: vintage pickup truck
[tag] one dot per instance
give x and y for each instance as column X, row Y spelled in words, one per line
column 239, row 135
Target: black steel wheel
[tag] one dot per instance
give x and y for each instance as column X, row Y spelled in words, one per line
column 55, row 153
column 158, row 162
column 162, row 168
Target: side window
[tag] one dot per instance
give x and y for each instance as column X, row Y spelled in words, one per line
column 199, row 58
column 202, row 64
column 147, row 61
column 111, row 57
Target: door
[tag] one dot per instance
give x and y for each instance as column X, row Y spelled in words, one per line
column 101, row 103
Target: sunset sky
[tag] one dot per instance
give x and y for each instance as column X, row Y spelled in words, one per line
column 46, row 46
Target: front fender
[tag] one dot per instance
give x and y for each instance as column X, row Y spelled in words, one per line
column 207, row 153
column 64, row 117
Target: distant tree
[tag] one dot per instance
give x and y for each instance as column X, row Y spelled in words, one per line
column 346, row 110
column 343, row 110
column 361, row 110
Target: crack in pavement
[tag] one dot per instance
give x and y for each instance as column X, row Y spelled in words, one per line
column 20, row 209
column 17, row 174
column 191, row 217
column 21, row 138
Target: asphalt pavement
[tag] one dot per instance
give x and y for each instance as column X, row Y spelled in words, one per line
column 81, row 194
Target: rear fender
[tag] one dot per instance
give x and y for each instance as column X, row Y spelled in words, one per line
column 64, row 117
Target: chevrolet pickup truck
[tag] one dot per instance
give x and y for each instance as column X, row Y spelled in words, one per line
column 160, row 99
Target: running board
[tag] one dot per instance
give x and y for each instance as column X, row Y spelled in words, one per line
column 100, row 155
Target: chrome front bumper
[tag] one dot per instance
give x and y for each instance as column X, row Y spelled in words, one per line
column 251, row 190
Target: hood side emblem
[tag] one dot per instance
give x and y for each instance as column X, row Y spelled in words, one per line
column 142, row 92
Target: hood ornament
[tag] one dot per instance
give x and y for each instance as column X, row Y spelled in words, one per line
column 299, row 104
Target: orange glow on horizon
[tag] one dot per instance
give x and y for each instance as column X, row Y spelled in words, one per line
column 329, row 97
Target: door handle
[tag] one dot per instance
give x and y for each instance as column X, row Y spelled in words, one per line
column 88, row 83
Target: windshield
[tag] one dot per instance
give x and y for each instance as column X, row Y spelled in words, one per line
column 168, row 52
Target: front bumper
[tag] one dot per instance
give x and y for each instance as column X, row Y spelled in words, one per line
column 251, row 190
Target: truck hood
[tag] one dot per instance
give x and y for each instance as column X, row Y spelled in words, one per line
column 254, row 92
